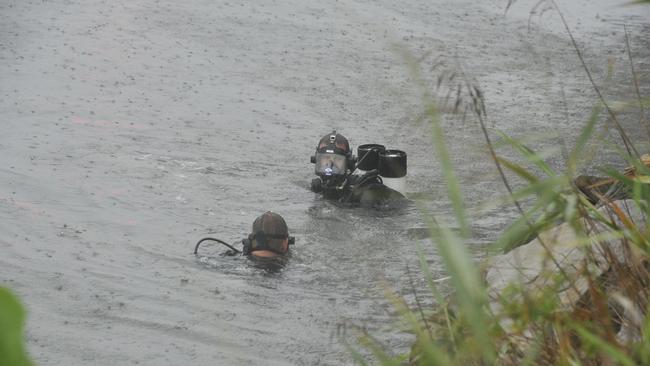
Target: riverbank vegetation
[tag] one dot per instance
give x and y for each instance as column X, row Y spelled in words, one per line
column 576, row 290
column 12, row 322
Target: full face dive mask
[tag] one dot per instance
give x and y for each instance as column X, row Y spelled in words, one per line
column 333, row 158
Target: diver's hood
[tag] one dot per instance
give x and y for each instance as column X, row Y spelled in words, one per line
column 268, row 230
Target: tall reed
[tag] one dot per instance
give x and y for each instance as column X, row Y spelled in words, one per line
column 606, row 324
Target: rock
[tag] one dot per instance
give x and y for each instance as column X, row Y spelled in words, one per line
column 596, row 188
column 560, row 251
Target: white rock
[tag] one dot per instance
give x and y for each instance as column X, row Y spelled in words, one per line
column 560, row 250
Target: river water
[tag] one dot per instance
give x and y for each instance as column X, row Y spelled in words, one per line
column 131, row 129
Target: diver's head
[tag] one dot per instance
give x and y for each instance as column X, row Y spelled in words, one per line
column 333, row 159
column 269, row 236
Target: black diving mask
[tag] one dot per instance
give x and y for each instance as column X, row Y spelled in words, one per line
column 262, row 242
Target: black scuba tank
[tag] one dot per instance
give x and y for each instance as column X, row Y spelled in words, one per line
column 392, row 169
column 368, row 156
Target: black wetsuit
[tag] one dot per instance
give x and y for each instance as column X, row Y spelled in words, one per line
column 364, row 190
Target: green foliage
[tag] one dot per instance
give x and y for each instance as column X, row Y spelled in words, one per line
column 525, row 325
column 12, row 317
column 534, row 326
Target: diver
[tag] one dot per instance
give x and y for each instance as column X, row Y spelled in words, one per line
column 269, row 238
column 335, row 165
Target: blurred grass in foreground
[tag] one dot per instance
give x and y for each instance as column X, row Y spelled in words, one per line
column 607, row 325
column 539, row 328
column 12, row 319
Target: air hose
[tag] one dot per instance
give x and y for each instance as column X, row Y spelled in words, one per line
column 196, row 248
column 347, row 176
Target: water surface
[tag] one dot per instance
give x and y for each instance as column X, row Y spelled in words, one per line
column 131, row 129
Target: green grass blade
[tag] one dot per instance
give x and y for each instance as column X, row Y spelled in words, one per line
column 529, row 154
column 604, row 346
column 644, row 346
column 620, row 106
column 534, row 351
column 432, row 354
column 466, row 281
column 453, row 186
column 518, row 169
column 378, row 351
column 424, row 267
column 544, row 188
column 12, row 318
column 440, row 146
column 356, row 356
column 585, row 136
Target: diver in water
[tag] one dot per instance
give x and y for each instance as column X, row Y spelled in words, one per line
column 269, row 238
column 335, row 165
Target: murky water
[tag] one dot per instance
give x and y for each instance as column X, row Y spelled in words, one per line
column 131, row 129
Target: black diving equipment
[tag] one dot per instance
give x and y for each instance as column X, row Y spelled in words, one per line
column 261, row 241
column 368, row 155
column 392, row 163
column 196, row 248
column 335, row 165
column 367, row 152
column 268, row 233
column 333, row 159
column 392, row 169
